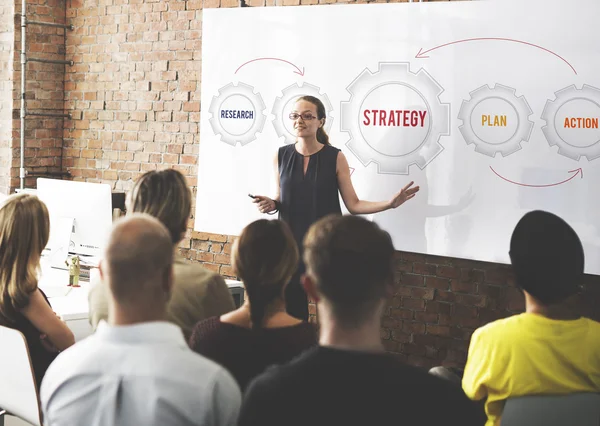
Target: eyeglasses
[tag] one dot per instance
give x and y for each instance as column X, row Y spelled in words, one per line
column 307, row 116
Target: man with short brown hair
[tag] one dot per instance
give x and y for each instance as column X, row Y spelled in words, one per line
column 349, row 379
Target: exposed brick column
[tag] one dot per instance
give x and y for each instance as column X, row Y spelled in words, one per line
column 44, row 91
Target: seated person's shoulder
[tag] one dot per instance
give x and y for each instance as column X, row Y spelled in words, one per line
column 186, row 271
column 594, row 326
column 194, row 280
column 209, row 368
column 214, row 376
column 37, row 300
column 76, row 360
column 205, row 331
column 594, row 333
column 505, row 328
column 275, row 387
column 518, row 330
column 287, row 376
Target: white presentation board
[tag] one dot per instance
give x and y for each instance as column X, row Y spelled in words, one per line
column 492, row 107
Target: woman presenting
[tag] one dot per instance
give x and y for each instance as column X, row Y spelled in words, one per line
column 309, row 175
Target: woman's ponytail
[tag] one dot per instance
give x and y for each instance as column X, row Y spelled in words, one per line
column 261, row 297
column 322, row 136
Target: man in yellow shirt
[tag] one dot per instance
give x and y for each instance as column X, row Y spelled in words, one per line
column 549, row 349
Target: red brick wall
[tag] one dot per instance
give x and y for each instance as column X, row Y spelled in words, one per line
column 441, row 301
column 134, row 92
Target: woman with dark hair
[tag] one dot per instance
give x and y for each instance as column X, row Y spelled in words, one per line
column 260, row 333
column 310, row 174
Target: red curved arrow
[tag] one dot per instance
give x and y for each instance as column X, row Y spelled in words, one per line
column 423, row 52
column 298, row 71
column 575, row 173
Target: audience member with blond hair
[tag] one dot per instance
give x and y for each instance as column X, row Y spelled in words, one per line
column 349, row 379
column 197, row 292
column 24, row 232
column 260, row 333
column 137, row 369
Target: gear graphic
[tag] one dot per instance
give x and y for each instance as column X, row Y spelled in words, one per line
column 247, row 92
column 520, row 106
column 292, row 92
column 420, row 82
column 570, row 93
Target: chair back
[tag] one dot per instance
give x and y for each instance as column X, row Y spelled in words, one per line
column 579, row 409
column 18, row 390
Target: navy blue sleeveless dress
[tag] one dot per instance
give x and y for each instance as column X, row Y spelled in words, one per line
column 305, row 198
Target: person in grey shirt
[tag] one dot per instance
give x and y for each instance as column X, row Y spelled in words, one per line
column 137, row 369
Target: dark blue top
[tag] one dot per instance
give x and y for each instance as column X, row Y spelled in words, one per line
column 304, row 200
column 307, row 198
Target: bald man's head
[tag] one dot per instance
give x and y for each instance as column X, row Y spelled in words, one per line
column 138, row 260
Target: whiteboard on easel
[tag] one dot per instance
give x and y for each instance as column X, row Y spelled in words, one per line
column 492, row 107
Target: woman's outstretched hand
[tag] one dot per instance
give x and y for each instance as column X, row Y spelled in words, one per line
column 404, row 195
column 264, row 204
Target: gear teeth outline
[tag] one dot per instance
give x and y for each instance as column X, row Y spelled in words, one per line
column 562, row 96
column 257, row 102
column 295, row 91
column 508, row 94
column 422, row 83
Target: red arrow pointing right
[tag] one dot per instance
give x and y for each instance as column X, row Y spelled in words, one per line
column 298, row 70
column 575, row 173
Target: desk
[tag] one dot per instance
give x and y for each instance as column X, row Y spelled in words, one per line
column 73, row 308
